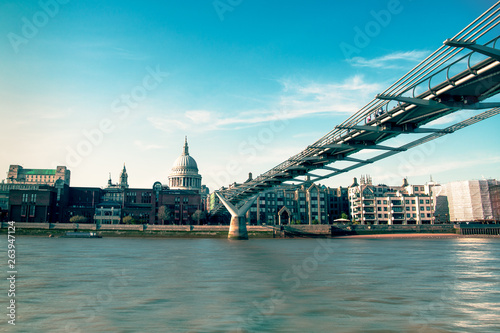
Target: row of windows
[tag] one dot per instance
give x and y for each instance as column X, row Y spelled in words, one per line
column 24, row 209
column 26, row 197
column 408, row 215
column 421, row 201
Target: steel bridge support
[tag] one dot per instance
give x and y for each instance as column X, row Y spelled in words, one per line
column 238, row 226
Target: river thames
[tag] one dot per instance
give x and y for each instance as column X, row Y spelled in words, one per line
column 260, row 285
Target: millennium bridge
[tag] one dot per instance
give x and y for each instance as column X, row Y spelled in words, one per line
column 462, row 74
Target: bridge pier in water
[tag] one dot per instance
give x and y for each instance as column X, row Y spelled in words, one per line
column 238, row 225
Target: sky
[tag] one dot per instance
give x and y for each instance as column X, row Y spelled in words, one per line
column 94, row 85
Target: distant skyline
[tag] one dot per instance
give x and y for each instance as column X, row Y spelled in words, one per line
column 93, row 85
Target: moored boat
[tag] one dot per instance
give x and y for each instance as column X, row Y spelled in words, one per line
column 82, row 234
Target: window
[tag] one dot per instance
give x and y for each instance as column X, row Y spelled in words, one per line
column 421, row 201
column 32, row 211
column 379, row 216
column 414, row 215
column 407, row 202
column 422, row 215
column 379, row 209
column 413, row 208
column 428, row 215
column 385, row 202
column 385, row 209
column 23, row 210
column 385, row 215
column 408, row 216
column 422, row 188
column 407, row 208
column 379, row 202
column 25, row 198
column 413, row 202
column 33, row 197
column 415, row 188
column 428, row 208
column 427, row 201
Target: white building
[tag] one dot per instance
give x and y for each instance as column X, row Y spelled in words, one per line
column 382, row 204
column 184, row 175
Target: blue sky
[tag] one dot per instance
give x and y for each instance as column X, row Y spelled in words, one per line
column 93, row 85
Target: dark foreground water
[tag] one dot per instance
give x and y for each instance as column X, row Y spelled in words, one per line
column 260, row 285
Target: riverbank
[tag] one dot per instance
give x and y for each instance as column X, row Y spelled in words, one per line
column 405, row 236
column 144, row 231
column 221, row 231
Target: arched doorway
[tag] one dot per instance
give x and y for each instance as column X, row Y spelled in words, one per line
column 284, row 216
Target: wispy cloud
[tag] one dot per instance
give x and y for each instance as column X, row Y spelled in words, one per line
column 295, row 100
column 390, row 61
column 167, row 124
column 145, row 146
column 199, row 116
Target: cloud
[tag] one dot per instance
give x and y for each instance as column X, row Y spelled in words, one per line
column 295, row 100
column 390, row 61
column 305, row 99
column 143, row 146
column 167, row 124
column 199, row 116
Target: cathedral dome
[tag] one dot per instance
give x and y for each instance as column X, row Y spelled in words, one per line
column 184, row 175
column 184, row 164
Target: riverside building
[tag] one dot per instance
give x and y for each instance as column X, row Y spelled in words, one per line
column 308, row 203
column 405, row 204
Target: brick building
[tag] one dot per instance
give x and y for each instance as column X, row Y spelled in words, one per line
column 19, row 175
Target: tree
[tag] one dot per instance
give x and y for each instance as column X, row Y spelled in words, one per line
column 198, row 215
column 78, row 219
column 128, row 220
column 344, row 216
column 164, row 214
column 315, row 221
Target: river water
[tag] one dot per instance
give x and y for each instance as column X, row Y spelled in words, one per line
column 260, row 285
